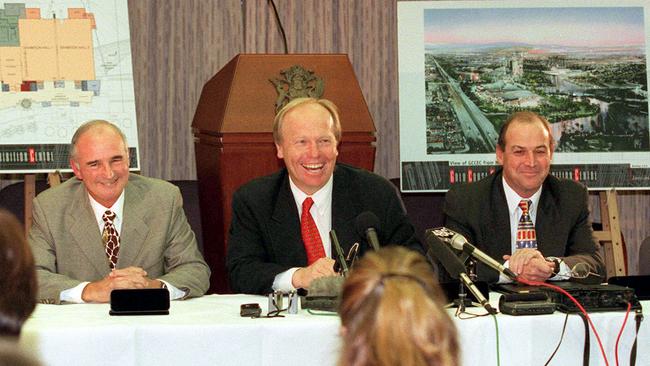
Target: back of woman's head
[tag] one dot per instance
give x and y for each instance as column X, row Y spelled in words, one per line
column 392, row 313
column 17, row 276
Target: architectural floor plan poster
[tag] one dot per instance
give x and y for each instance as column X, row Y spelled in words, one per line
column 465, row 66
column 62, row 63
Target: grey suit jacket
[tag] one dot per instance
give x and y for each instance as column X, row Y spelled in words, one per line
column 155, row 235
column 479, row 211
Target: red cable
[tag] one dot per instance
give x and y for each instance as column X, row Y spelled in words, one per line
column 561, row 290
column 629, row 307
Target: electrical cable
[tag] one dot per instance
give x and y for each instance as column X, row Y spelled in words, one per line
column 496, row 328
column 618, row 338
column 566, row 318
column 582, row 309
column 277, row 19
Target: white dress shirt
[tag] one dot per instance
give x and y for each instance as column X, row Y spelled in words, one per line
column 321, row 211
column 74, row 294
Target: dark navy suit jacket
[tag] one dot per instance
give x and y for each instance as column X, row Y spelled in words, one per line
column 479, row 211
column 265, row 237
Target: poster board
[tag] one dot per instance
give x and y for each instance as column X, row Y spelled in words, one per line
column 464, row 66
column 62, row 63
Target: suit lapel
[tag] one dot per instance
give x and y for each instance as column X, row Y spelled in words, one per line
column 134, row 229
column 499, row 239
column 284, row 228
column 547, row 213
column 343, row 211
column 85, row 233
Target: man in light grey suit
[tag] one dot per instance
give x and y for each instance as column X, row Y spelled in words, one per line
column 154, row 245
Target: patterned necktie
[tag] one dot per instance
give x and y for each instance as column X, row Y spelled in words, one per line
column 111, row 238
column 310, row 236
column 526, row 236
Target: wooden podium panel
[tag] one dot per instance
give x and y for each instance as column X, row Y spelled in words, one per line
column 233, row 127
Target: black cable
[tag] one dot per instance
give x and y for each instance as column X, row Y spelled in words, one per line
column 566, row 318
column 277, row 19
column 639, row 319
column 585, row 350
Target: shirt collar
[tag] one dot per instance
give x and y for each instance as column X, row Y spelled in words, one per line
column 513, row 198
column 98, row 209
column 320, row 197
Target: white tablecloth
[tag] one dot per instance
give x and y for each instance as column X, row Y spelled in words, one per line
column 209, row 331
column 202, row 331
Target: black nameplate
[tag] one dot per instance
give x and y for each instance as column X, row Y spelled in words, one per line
column 146, row 301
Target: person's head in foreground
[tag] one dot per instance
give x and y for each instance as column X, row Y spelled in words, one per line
column 392, row 313
column 17, row 276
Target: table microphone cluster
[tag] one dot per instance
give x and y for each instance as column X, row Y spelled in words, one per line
column 528, row 300
column 324, row 293
column 453, row 265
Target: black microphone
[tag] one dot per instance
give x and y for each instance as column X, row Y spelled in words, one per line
column 339, row 253
column 367, row 224
column 458, row 242
column 455, row 267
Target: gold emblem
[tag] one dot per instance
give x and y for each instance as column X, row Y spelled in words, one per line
column 296, row 82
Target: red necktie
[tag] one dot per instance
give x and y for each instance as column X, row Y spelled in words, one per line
column 310, row 235
column 110, row 238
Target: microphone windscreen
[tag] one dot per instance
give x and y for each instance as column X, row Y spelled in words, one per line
column 366, row 220
column 447, row 258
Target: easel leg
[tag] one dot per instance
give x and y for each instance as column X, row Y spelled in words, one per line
column 30, row 193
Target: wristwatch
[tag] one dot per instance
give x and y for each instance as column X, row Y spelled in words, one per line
column 556, row 264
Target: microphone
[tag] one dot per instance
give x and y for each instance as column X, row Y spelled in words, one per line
column 339, row 253
column 455, row 267
column 367, row 224
column 459, row 242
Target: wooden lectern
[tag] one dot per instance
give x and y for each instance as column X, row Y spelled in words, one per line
column 233, row 138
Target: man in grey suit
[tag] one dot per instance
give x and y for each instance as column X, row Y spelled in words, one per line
column 107, row 229
column 489, row 212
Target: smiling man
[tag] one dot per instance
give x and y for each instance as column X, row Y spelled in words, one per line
column 107, row 229
column 279, row 235
column 538, row 224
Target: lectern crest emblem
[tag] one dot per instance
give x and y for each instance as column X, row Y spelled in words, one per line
column 296, row 82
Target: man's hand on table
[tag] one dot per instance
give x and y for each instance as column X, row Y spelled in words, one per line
column 530, row 265
column 125, row 278
column 303, row 277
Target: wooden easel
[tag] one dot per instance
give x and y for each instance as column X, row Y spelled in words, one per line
column 53, row 179
column 610, row 237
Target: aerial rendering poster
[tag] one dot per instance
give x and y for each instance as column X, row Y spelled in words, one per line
column 465, row 66
column 62, row 63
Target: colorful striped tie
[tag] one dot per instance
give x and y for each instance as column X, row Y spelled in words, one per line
column 526, row 236
column 310, row 236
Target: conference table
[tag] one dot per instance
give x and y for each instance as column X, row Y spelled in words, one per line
column 209, row 331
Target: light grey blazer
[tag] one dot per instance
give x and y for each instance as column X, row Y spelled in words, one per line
column 155, row 235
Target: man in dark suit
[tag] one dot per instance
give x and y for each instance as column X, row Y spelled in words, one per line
column 270, row 242
column 81, row 257
column 490, row 213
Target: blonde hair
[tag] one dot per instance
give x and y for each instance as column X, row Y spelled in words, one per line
column 392, row 311
column 294, row 103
